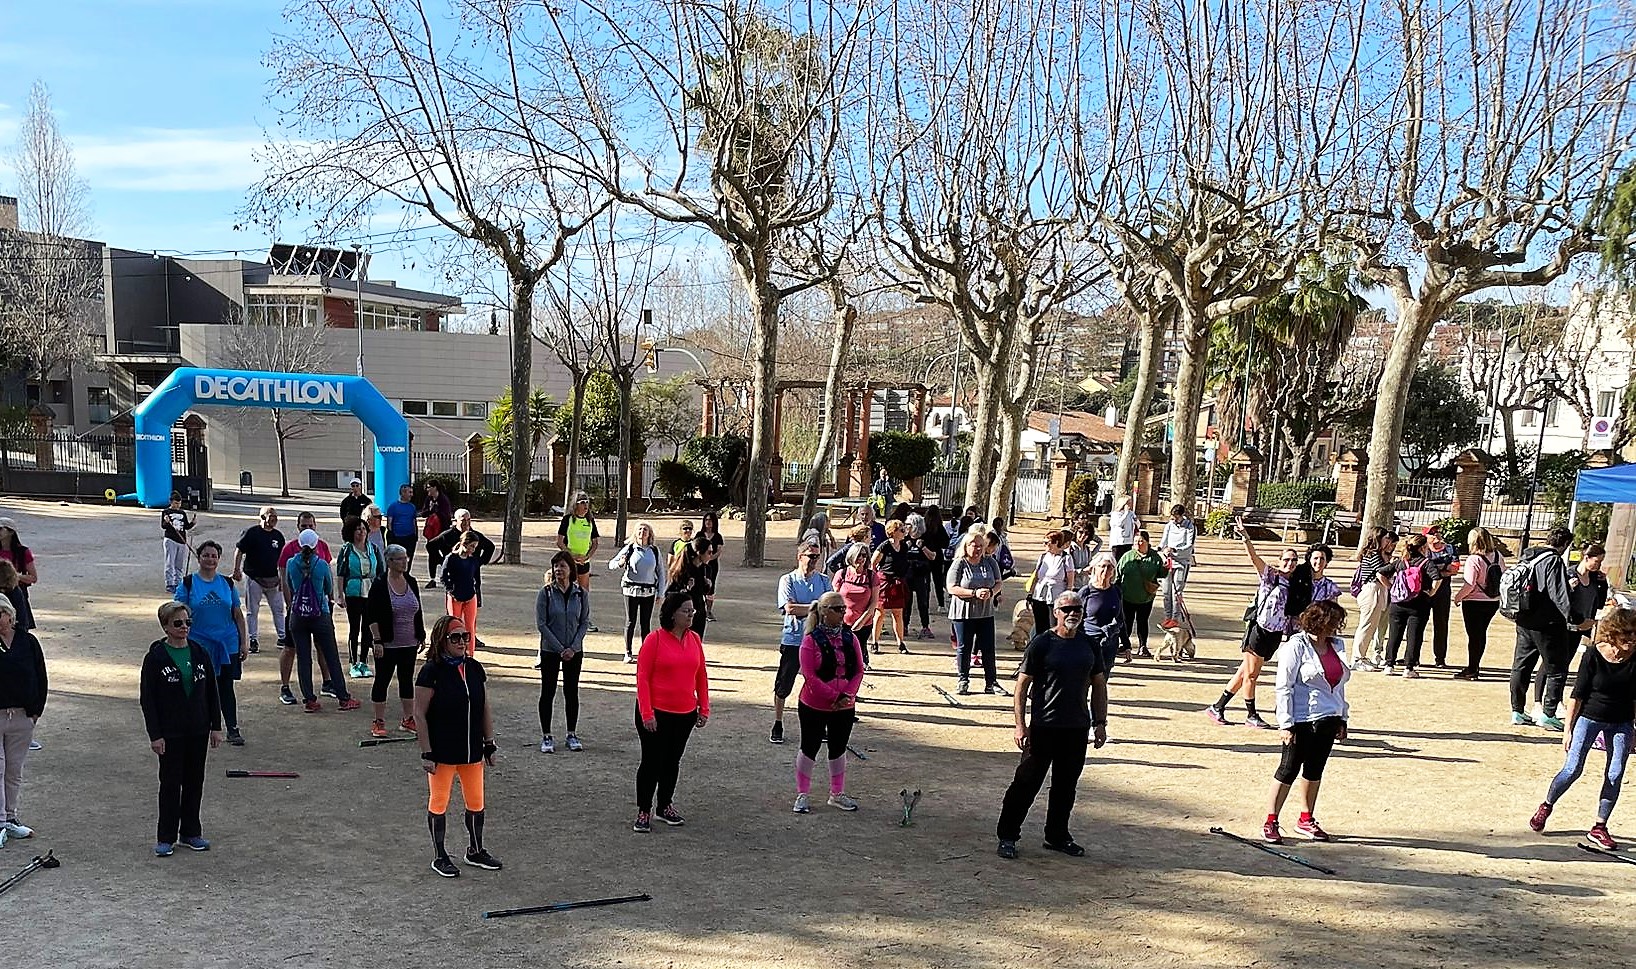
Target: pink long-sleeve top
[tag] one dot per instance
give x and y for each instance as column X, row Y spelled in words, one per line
column 819, row 693
column 670, row 675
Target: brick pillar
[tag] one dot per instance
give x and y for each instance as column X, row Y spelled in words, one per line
column 1353, row 480
column 1064, row 467
column 707, row 412
column 633, row 484
column 1150, row 462
column 849, row 448
column 1470, row 482
column 40, row 417
column 1246, row 477
column 556, row 494
column 474, row 462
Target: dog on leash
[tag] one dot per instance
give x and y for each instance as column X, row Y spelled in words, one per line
column 1022, row 626
column 1178, row 644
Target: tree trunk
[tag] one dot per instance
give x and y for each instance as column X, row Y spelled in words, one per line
column 1510, row 436
column 1147, row 381
column 1184, row 418
column 576, row 426
column 283, row 466
column 624, row 377
column 984, row 434
column 846, row 318
column 522, row 457
column 1013, row 417
column 764, row 304
column 1414, row 322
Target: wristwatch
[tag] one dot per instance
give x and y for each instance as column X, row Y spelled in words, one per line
column 427, row 755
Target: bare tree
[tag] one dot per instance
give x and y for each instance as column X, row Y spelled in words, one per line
column 980, row 198
column 444, row 109
column 50, row 276
column 722, row 115
column 254, row 345
column 1227, row 125
column 1503, row 125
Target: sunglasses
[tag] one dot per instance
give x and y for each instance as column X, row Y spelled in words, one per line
column 181, row 622
column 835, row 608
column 1070, row 610
column 459, row 637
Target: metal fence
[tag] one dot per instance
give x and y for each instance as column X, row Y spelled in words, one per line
column 444, row 463
column 948, row 487
column 62, row 450
column 1033, row 494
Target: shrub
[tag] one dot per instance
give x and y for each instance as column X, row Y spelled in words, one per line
column 1294, row 494
column 904, row 456
column 541, row 496
column 1592, row 522
column 675, row 480
column 1083, row 494
column 1558, row 474
column 714, row 461
column 1454, row 531
column 446, row 483
column 1218, row 522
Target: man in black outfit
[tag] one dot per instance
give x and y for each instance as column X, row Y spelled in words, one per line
column 1543, row 634
column 1062, row 669
column 353, row 505
column 445, row 544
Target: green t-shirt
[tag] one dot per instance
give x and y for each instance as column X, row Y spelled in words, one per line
column 183, row 658
column 1136, row 571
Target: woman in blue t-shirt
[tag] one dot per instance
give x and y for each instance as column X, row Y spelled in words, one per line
column 218, row 626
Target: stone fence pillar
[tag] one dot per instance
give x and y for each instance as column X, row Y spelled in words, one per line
column 1352, row 484
column 1246, row 477
column 1064, row 468
column 1470, row 485
column 1150, row 461
column 40, row 418
column 475, row 471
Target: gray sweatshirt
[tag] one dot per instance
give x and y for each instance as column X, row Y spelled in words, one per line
column 642, row 575
column 562, row 617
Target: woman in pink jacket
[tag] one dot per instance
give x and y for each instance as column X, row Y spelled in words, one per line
column 832, row 670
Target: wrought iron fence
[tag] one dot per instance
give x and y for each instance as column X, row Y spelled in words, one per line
column 62, row 450
column 450, row 464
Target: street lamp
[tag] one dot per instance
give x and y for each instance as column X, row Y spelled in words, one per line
column 358, row 325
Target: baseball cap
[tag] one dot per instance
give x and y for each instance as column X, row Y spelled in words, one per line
column 355, row 481
column 307, row 539
column 580, row 496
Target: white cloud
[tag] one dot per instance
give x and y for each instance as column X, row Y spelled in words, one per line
column 171, row 160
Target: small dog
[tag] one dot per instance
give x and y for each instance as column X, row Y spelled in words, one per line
column 1022, row 625
column 1178, row 644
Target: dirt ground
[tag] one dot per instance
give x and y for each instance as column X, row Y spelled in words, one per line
column 1431, row 794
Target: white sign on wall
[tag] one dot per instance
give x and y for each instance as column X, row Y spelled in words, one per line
column 1601, row 433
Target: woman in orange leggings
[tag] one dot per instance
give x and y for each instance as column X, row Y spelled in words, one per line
column 456, row 738
column 461, row 577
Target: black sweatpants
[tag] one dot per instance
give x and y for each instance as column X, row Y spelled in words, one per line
column 1060, row 750
column 408, row 543
column 819, row 726
column 1137, row 614
column 1552, row 650
column 181, row 787
column 550, row 663
column 1406, row 628
column 1042, row 615
column 399, row 661
column 940, row 578
column 638, row 610
column 920, row 590
column 229, row 697
column 1440, row 622
column 1477, row 616
column 359, row 643
column 1309, row 751
column 662, row 751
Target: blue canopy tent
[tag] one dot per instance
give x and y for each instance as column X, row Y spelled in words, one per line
column 1616, row 484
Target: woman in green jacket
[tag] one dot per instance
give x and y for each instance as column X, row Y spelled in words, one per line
column 1139, row 572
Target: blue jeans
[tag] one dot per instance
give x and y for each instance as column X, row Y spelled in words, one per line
column 316, row 633
column 975, row 634
column 1579, row 749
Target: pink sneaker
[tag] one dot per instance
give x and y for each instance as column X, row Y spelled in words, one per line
column 1270, row 834
column 1537, row 822
column 1598, row 835
column 1219, row 717
column 1310, row 828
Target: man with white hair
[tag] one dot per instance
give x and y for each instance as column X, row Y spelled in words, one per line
column 447, row 543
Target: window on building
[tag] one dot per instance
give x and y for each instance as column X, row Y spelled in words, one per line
column 272, row 309
column 319, row 479
column 99, row 404
column 478, row 409
column 414, row 408
column 445, row 408
column 384, row 316
column 1607, row 401
column 1527, row 418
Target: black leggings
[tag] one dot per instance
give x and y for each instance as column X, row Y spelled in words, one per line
column 550, row 663
column 940, row 578
column 359, row 643
column 1137, row 613
column 401, row 661
column 229, row 699
column 1308, row 751
column 700, row 616
column 920, row 585
column 1406, row 627
column 1477, row 616
column 817, row 726
column 661, row 756
column 638, row 609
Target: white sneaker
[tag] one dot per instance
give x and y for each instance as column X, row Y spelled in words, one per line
column 547, row 745
column 1362, row 665
column 574, row 744
column 843, row 802
column 35, row 745
column 803, row 804
column 15, row 830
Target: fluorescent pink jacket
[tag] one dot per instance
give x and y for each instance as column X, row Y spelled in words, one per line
column 820, row 694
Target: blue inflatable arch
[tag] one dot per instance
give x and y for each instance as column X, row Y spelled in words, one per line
column 194, row 386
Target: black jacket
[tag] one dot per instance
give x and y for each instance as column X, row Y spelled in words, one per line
column 378, row 610
column 353, row 508
column 454, row 716
column 445, row 543
column 167, row 708
column 22, row 674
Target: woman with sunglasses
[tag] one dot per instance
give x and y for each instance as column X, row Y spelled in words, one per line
column 183, row 714
column 976, row 591
column 832, row 672
column 456, row 739
column 1283, row 594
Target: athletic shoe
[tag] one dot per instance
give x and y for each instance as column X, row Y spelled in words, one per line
column 196, row 843
column 1007, row 849
column 1070, row 848
column 671, row 816
column 407, row 724
column 630, row 657
column 536, row 664
column 1167, row 624
column 1411, row 674
column 547, row 745
column 285, row 696
column 431, row 583
column 1598, row 835
column 1310, row 828
column 352, row 671
column 903, row 647
column 283, row 642
column 643, row 823
column 1467, row 674
column 255, row 647
column 1541, row 814
column 1442, row 665
column 444, row 866
column 1218, row 715
column 364, row 672
column 842, row 801
column 329, row 691
column 1124, row 655
column 592, row 628
column 776, row 735
column 803, row 804
column 1389, row 670
column 574, row 744
column 163, row 850
column 1144, row 653
column 235, row 738
column 1362, row 665
column 1519, row 719
column 926, row 633
column 313, row 706
column 1254, row 720
column 1551, row 723
column 35, row 745
column 15, row 830
column 351, row 703
column 377, row 728
column 995, row 689
column 1270, row 833
column 964, row 688
column 482, row 859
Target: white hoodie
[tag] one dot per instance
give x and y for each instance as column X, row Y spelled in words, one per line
column 1303, row 691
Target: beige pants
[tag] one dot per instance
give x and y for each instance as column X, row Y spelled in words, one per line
column 16, row 730
column 1371, row 623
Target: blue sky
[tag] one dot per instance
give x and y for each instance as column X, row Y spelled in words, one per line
column 165, row 104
